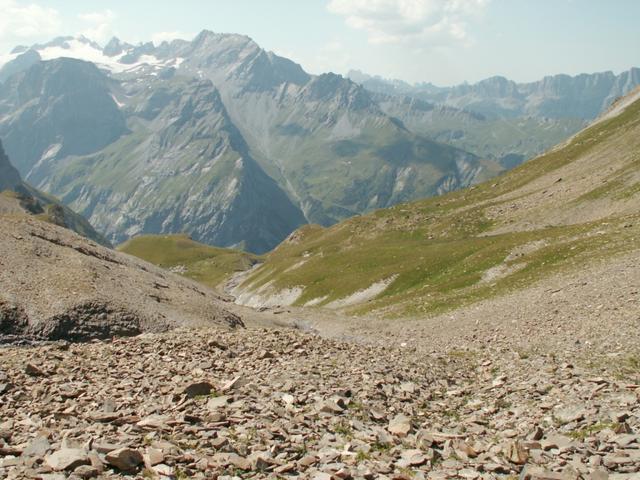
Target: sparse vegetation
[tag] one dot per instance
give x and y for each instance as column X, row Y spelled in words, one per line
column 585, row 432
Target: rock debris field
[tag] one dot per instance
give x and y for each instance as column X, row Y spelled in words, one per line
column 265, row 403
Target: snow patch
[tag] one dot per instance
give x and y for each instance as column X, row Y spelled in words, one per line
column 89, row 53
column 51, row 152
column 266, row 296
column 294, row 266
column 119, row 104
column 362, row 295
column 316, row 301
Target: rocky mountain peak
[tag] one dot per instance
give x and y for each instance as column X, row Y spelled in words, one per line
column 88, row 41
column 333, row 88
column 66, row 42
column 59, row 107
column 237, row 57
column 63, row 76
column 22, row 62
column 497, row 86
column 115, row 47
column 225, row 48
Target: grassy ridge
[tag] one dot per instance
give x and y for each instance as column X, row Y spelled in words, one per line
column 202, row 263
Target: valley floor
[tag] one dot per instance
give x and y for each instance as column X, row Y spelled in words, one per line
column 542, row 384
column 590, row 309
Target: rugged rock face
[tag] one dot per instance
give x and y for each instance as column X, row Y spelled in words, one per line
column 498, row 118
column 117, row 139
column 577, row 203
column 54, row 110
column 19, row 64
column 510, row 141
column 183, row 168
column 58, row 285
column 9, row 176
column 324, row 138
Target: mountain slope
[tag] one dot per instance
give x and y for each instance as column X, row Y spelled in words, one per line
column 9, row 176
column 324, row 139
column 330, row 150
column 19, row 198
column 74, row 289
column 179, row 164
column 508, row 140
column 122, row 151
column 575, row 204
column 56, row 110
column 498, row 118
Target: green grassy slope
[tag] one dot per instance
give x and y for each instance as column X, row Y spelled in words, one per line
column 576, row 203
column 205, row 264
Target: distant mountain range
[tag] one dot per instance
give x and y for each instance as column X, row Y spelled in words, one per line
column 507, row 121
column 234, row 145
column 583, row 96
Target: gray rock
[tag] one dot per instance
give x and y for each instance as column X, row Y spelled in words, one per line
column 67, row 459
column 216, row 403
column 125, row 459
column 86, row 471
column 38, row 447
column 400, row 425
column 569, row 414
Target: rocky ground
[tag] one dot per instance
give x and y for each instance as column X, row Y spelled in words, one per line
column 55, row 284
column 540, row 384
column 278, row 403
column 591, row 309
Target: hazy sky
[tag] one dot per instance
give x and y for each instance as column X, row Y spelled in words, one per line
column 439, row 41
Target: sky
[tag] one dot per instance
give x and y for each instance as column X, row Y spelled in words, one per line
column 444, row 42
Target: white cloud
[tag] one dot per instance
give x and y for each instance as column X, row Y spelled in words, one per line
column 332, row 57
column 429, row 22
column 159, row 37
column 25, row 21
column 100, row 25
